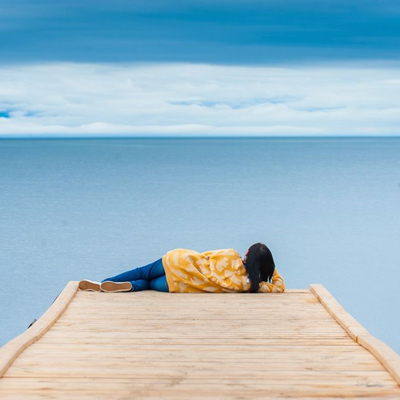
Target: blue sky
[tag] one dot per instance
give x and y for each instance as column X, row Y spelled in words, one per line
column 231, row 31
column 44, row 45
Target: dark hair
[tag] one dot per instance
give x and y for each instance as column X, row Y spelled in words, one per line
column 259, row 265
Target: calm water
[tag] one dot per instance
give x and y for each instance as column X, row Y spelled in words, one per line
column 329, row 209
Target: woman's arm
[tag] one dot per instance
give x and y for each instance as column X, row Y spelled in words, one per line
column 277, row 285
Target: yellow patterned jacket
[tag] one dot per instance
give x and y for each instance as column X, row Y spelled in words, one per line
column 188, row 271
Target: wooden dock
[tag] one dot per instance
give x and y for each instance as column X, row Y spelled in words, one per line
column 150, row 345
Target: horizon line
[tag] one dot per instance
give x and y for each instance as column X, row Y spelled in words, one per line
column 55, row 137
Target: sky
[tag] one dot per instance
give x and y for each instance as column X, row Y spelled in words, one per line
column 205, row 67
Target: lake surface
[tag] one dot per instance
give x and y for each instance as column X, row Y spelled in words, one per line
column 329, row 209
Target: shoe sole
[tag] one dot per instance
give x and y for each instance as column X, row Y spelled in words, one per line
column 89, row 285
column 109, row 286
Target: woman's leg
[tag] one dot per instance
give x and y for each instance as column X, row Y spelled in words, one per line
column 147, row 272
column 141, row 277
column 140, row 284
column 160, row 284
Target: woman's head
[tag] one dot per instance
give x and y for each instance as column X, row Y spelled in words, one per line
column 259, row 265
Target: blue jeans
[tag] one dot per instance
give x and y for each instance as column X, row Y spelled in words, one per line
column 151, row 276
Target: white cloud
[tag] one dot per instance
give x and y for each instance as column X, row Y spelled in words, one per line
column 195, row 99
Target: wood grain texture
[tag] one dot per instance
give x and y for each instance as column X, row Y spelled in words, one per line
column 10, row 351
column 388, row 357
column 383, row 353
column 346, row 321
column 152, row 345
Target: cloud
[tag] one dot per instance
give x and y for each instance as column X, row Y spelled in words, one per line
column 198, row 99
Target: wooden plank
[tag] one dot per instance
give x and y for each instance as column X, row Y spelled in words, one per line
column 222, row 358
column 182, row 384
column 165, row 395
column 183, row 347
column 170, row 369
column 10, row 351
column 119, row 383
column 159, row 341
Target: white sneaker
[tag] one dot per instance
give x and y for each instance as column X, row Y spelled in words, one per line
column 89, row 285
column 109, row 286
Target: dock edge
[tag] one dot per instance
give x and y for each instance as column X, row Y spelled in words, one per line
column 381, row 351
column 11, row 350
